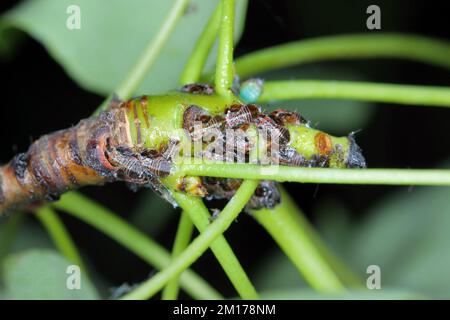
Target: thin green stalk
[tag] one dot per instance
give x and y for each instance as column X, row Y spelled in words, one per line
column 303, row 245
column 199, row 214
column 300, row 248
column 224, row 67
column 199, row 245
column 191, row 74
column 134, row 240
column 182, row 239
column 361, row 46
column 59, row 234
column 145, row 62
column 366, row 91
column 427, row 177
column 195, row 207
column 345, row 274
column 194, row 67
column 352, row 46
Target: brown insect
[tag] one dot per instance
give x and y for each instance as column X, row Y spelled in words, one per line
column 283, row 117
column 101, row 149
column 199, row 124
column 238, row 115
column 266, row 194
column 198, row 88
column 273, row 131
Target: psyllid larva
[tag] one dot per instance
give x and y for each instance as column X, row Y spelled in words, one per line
column 137, row 141
column 282, row 117
column 251, row 89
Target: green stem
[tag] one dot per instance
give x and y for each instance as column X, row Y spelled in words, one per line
column 379, row 92
column 416, row 48
column 195, row 207
column 430, row 177
column 302, row 244
column 182, row 239
column 194, row 67
column 351, row 46
column 140, row 69
column 345, row 274
column 224, row 68
column 191, row 74
column 199, row 245
column 224, row 253
column 137, row 242
column 59, row 234
column 299, row 248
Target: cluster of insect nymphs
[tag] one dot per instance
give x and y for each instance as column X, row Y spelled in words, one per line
column 242, row 117
column 99, row 150
column 145, row 167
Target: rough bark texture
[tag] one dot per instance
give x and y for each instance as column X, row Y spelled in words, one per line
column 63, row 160
column 100, row 149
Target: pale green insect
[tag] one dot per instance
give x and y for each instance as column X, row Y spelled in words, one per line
column 250, row 90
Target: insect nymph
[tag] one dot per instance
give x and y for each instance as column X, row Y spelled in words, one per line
column 137, row 141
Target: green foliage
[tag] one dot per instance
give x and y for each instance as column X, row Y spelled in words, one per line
column 28, row 235
column 41, row 274
column 100, row 54
column 308, row 294
column 277, row 272
column 337, row 117
column 406, row 235
column 151, row 213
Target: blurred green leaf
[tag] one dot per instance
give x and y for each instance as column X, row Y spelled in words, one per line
column 334, row 116
column 332, row 218
column 41, row 274
column 278, row 279
column 309, row 294
column 112, row 37
column 9, row 41
column 407, row 236
column 277, row 272
column 152, row 213
column 29, row 235
column 9, row 228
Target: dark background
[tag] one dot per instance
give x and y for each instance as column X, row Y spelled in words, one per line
column 38, row 97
